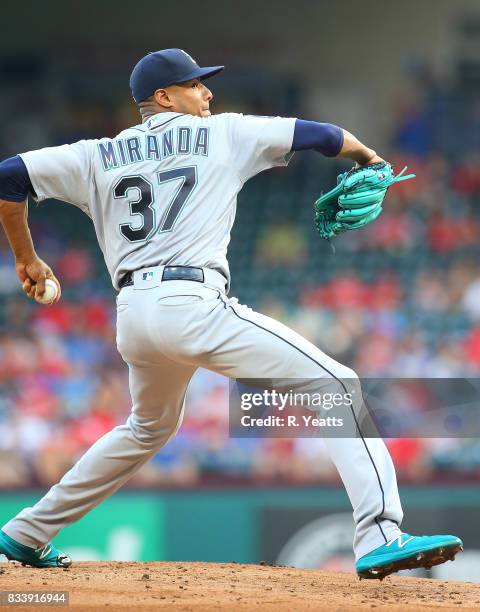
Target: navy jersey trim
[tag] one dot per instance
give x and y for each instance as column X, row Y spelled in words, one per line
column 137, row 129
column 15, row 183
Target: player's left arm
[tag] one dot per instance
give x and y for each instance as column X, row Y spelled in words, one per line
column 331, row 141
column 15, row 185
column 357, row 198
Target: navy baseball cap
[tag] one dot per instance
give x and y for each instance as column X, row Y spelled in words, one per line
column 163, row 68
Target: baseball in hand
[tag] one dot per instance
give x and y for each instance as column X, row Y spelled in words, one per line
column 51, row 292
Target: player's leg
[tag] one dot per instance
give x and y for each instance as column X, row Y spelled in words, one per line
column 157, row 387
column 158, row 393
column 256, row 346
column 241, row 343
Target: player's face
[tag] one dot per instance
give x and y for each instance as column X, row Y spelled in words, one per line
column 190, row 98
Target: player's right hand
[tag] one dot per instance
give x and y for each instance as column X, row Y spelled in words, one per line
column 33, row 275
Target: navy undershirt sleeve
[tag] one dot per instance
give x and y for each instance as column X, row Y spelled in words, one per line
column 15, row 184
column 325, row 138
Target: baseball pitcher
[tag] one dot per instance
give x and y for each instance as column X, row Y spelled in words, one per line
column 162, row 197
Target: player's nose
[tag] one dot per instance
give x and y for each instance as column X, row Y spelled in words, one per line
column 207, row 94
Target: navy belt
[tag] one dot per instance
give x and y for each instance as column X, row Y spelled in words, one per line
column 169, row 273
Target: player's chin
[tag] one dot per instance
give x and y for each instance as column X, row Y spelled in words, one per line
column 205, row 113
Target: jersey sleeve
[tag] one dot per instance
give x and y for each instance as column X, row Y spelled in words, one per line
column 259, row 143
column 63, row 173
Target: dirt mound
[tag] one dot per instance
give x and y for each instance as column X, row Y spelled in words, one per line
column 216, row 586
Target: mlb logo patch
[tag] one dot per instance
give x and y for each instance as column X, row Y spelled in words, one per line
column 147, row 276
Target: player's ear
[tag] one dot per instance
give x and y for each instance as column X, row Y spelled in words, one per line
column 162, row 98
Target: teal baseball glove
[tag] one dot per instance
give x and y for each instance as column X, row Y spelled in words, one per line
column 356, row 200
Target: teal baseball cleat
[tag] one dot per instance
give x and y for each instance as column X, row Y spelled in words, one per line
column 408, row 552
column 46, row 556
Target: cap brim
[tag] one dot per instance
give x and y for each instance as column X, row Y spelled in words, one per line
column 203, row 73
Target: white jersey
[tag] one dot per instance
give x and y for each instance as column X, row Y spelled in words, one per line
column 163, row 192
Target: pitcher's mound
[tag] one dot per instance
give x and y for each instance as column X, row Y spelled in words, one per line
column 230, row 587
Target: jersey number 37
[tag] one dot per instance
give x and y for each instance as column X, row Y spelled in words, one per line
column 143, row 201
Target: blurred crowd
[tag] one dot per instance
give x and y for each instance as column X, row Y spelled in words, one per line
column 401, row 298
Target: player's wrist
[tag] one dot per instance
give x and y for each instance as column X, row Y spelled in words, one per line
column 356, row 151
column 366, row 156
column 26, row 257
column 374, row 159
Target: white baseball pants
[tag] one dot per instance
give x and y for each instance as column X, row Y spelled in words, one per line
column 165, row 331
